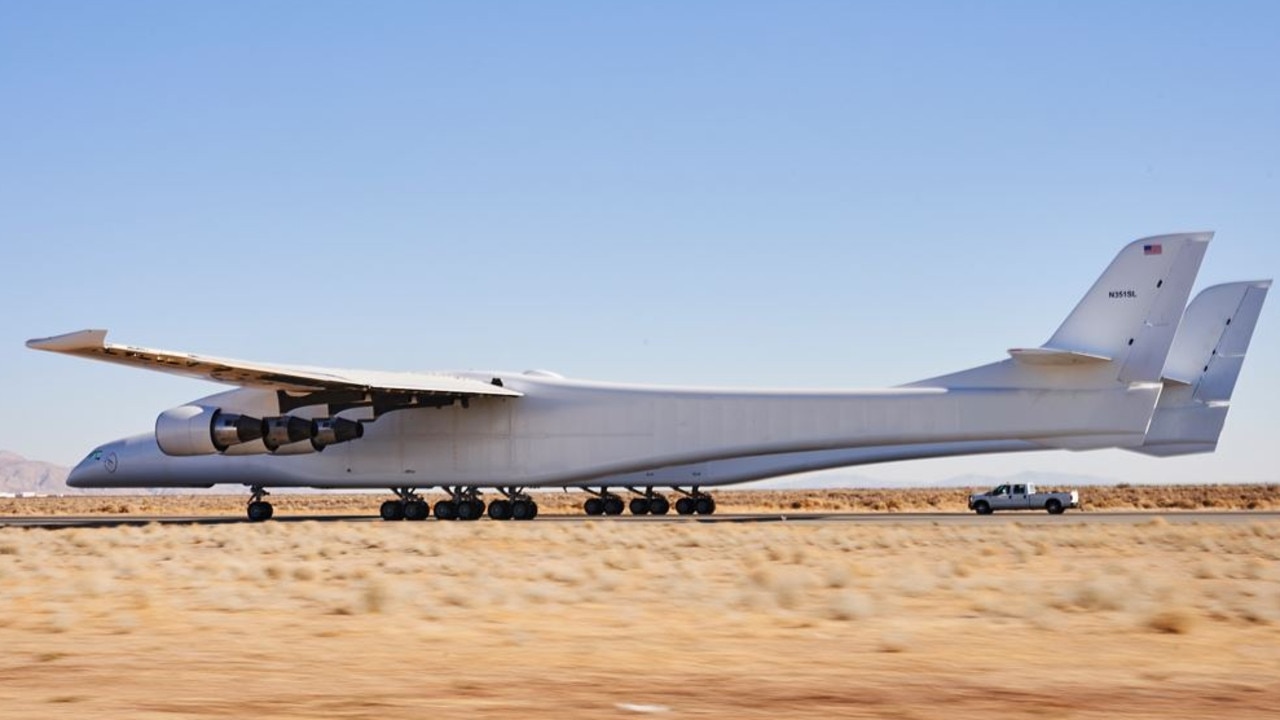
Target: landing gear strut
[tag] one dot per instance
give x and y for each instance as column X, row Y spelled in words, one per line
column 259, row 509
column 515, row 505
column 695, row 501
column 603, row 503
column 649, row 502
column 463, row 504
column 409, row 506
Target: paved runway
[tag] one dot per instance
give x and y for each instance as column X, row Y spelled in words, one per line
column 938, row 518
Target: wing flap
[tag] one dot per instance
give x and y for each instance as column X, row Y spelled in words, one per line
column 93, row 345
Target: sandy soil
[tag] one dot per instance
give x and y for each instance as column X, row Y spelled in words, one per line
column 614, row 619
column 1123, row 497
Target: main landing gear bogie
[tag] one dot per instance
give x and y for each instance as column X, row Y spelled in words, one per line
column 410, row 506
column 648, row 502
column 696, row 503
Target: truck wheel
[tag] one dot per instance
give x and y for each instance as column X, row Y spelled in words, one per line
column 982, row 507
column 1054, row 506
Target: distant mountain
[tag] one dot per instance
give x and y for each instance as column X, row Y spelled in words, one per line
column 20, row 475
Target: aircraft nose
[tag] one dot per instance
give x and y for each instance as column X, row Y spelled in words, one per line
column 94, row 470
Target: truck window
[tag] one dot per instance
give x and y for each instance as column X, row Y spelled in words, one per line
column 1019, row 489
column 1001, row 490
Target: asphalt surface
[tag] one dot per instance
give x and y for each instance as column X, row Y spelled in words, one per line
column 936, row 518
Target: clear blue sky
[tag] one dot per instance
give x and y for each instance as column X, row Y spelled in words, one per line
column 782, row 194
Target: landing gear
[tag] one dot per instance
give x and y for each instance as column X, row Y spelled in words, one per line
column 409, row 507
column 649, row 502
column 463, row 504
column 515, row 505
column 604, row 503
column 695, row 502
column 259, row 509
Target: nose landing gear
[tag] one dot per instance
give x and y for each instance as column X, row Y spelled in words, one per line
column 259, row 509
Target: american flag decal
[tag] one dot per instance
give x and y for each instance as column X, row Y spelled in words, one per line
column 1153, row 249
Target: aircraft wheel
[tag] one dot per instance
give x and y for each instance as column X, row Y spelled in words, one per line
column 639, row 506
column 659, row 505
column 705, row 505
column 593, row 506
column 416, row 510
column 467, row 510
column 392, row 510
column 613, row 505
column 685, row 506
column 260, row 510
column 533, row 509
column 521, row 509
column 477, row 509
column 501, row 510
column 446, row 510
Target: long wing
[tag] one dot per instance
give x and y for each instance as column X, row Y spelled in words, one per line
column 92, row 344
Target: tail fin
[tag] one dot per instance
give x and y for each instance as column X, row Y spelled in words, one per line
column 1120, row 331
column 1131, row 313
column 1204, row 364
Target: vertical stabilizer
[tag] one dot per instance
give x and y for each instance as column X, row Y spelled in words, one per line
column 1204, row 364
column 1131, row 313
column 1120, row 331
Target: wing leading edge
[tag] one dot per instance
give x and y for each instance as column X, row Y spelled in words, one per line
column 92, row 344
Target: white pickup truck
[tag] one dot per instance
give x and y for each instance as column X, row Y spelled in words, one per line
column 1022, row 497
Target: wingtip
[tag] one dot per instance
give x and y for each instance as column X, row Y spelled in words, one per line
column 78, row 340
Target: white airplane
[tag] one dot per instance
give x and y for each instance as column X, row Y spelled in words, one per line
column 1095, row 383
column 1199, row 376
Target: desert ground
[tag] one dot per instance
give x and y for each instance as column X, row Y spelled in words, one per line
column 612, row 618
column 1093, row 499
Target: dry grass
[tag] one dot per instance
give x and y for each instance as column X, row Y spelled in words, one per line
column 590, row 619
column 1103, row 498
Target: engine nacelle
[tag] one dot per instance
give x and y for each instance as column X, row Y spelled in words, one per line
column 331, row 431
column 198, row 430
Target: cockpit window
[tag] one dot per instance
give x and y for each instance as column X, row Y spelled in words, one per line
column 96, row 455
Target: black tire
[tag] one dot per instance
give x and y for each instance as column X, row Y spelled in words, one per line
column 467, row 510
column 520, row 510
column 446, row 510
column 477, row 509
column 391, row 510
column 260, row 511
column 613, row 506
column 593, row 506
column 416, row 510
column 685, row 506
column 982, row 507
column 705, row 505
column 639, row 506
column 500, row 510
column 1054, row 506
column 533, row 509
column 659, row 505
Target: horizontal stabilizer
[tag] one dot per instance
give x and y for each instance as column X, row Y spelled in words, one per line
column 92, row 344
column 1051, row 356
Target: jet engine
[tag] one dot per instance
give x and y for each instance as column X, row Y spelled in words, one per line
column 331, row 431
column 284, row 435
column 197, row 430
